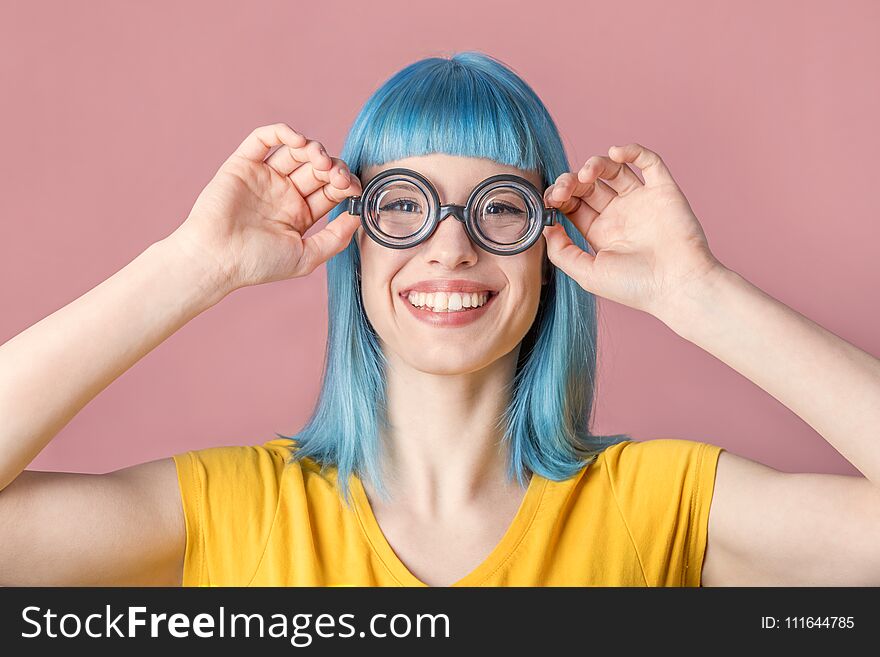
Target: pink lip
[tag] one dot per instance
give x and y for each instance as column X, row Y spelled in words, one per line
column 447, row 285
column 454, row 319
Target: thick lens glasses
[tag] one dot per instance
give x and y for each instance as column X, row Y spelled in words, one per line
column 504, row 215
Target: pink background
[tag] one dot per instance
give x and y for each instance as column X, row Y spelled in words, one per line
column 116, row 114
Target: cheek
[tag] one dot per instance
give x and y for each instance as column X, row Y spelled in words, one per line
column 526, row 273
column 379, row 266
column 525, row 281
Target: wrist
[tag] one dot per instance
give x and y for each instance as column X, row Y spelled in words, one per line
column 203, row 276
column 687, row 311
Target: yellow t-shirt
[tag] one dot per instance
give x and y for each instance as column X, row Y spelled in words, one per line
column 637, row 516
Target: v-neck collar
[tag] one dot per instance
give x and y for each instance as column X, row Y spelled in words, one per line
column 500, row 553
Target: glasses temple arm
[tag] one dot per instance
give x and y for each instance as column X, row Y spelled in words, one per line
column 551, row 217
column 354, row 205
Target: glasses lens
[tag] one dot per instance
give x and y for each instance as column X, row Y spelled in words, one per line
column 399, row 209
column 503, row 216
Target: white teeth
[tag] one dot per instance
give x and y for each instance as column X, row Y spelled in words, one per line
column 447, row 301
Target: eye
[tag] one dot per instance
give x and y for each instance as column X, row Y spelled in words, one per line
column 502, row 208
column 406, row 205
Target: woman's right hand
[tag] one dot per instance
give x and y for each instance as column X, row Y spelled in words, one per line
column 248, row 224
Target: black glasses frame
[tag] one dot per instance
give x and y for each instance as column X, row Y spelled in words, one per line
column 464, row 213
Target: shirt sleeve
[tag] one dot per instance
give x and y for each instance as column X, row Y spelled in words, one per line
column 664, row 490
column 229, row 497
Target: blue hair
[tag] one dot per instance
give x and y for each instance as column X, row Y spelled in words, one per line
column 469, row 105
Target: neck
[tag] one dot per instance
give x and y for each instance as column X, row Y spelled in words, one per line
column 444, row 448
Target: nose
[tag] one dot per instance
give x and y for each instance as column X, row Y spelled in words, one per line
column 450, row 243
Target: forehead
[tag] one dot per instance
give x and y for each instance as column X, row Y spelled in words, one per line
column 452, row 174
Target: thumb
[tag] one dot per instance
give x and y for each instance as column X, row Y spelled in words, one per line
column 328, row 241
column 569, row 257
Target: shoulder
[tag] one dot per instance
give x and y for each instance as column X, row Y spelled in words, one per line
column 657, row 452
column 661, row 461
column 274, row 451
column 238, row 465
column 230, row 498
column 231, row 480
column 663, row 489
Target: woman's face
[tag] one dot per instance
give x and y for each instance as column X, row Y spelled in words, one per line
column 432, row 340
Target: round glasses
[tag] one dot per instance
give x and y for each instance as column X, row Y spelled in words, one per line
column 504, row 214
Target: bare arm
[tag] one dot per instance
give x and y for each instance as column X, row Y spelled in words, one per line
column 774, row 528
column 61, row 528
column 127, row 527
column 829, row 383
column 771, row 528
column 49, row 372
column 124, row 528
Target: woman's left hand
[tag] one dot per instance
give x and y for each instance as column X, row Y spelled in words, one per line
column 649, row 246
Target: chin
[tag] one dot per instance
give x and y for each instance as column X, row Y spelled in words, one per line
column 440, row 361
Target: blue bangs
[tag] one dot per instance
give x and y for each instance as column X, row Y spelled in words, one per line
column 458, row 107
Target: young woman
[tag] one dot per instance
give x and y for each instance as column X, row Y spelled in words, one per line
column 450, row 443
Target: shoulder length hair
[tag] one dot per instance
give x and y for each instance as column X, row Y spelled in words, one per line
column 469, row 105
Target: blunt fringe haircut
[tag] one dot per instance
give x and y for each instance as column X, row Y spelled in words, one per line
column 469, row 105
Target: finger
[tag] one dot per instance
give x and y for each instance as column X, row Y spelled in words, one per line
column 581, row 202
column 577, row 210
column 568, row 256
column 257, row 145
column 559, row 194
column 287, row 160
column 308, row 179
column 329, row 196
column 653, row 168
column 617, row 175
column 328, row 241
column 568, row 188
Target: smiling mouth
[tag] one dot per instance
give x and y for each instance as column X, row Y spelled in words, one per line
column 448, row 302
